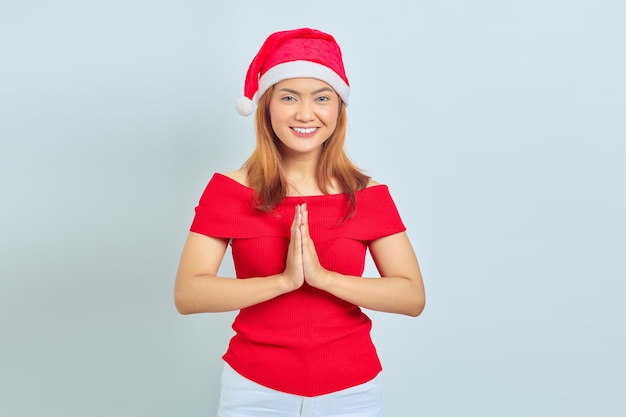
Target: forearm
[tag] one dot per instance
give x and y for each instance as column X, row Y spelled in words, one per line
column 206, row 294
column 388, row 294
column 400, row 290
column 198, row 289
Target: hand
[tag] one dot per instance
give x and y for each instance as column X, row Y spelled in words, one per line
column 314, row 274
column 294, row 272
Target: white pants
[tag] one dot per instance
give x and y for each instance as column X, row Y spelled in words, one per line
column 241, row 397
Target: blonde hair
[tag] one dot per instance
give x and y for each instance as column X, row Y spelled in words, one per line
column 264, row 166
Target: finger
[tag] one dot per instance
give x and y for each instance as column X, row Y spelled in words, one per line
column 305, row 214
column 298, row 241
column 305, row 219
column 297, row 220
column 307, row 242
column 297, row 232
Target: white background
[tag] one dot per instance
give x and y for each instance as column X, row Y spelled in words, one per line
column 499, row 127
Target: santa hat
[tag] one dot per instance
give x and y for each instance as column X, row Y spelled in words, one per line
column 297, row 53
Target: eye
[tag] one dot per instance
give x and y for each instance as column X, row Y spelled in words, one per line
column 323, row 98
column 288, row 99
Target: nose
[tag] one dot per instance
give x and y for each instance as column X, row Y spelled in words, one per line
column 305, row 112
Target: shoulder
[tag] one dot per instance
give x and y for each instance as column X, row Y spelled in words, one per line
column 374, row 195
column 229, row 186
column 240, row 175
column 376, row 213
column 371, row 183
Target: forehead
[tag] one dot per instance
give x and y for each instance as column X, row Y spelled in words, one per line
column 303, row 85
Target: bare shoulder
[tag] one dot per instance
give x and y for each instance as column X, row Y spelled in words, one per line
column 240, row 175
column 371, row 183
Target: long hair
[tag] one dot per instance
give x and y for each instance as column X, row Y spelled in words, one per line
column 264, row 167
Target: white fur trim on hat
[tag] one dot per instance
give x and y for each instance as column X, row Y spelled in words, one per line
column 302, row 69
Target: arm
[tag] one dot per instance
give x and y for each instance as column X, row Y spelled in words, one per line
column 400, row 290
column 198, row 289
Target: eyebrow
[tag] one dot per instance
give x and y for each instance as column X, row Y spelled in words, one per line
column 321, row 90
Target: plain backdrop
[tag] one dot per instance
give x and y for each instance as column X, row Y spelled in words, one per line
column 499, row 127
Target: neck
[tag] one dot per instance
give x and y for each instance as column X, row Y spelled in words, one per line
column 300, row 166
column 301, row 175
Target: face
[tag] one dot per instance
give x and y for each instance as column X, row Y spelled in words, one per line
column 304, row 113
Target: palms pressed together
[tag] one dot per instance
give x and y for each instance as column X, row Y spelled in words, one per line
column 302, row 263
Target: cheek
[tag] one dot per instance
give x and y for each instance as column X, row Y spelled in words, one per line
column 332, row 117
column 277, row 117
column 274, row 122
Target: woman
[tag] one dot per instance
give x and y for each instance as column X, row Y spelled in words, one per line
column 299, row 217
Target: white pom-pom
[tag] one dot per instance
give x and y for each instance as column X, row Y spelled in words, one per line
column 245, row 106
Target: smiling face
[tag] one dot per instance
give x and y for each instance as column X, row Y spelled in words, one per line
column 303, row 113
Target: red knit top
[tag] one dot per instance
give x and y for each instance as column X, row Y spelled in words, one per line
column 307, row 342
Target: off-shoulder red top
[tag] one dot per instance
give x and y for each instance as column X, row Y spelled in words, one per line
column 307, row 342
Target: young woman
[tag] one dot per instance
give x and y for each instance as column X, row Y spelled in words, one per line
column 299, row 217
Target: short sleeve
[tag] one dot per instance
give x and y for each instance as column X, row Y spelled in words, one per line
column 226, row 210
column 376, row 215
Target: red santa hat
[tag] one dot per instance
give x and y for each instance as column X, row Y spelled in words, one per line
column 297, row 53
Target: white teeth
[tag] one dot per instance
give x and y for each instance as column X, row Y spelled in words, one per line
column 303, row 130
